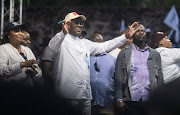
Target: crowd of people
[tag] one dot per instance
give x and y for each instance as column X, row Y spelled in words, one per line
column 88, row 76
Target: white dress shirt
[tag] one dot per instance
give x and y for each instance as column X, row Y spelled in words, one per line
column 72, row 61
column 170, row 58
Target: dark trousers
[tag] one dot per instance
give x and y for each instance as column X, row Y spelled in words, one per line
column 134, row 108
column 80, row 106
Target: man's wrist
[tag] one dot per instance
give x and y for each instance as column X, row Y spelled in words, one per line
column 119, row 100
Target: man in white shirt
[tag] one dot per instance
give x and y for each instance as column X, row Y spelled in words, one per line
column 170, row 57
column 72, row 54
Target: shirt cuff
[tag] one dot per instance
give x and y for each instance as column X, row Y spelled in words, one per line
column 119, row 100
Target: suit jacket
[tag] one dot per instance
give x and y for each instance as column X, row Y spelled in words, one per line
column 122, row 72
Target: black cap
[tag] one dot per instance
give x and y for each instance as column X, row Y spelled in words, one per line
column 13, row 26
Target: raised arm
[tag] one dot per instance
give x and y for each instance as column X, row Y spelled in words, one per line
column 56, row 41
column 97, row 48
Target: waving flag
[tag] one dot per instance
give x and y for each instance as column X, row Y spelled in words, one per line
column 172, row 20
column 123, row 27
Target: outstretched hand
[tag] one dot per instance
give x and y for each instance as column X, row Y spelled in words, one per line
column 65, row 27
column 131, row 30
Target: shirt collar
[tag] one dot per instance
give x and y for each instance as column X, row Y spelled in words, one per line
column 137, row 48
column 75, row 38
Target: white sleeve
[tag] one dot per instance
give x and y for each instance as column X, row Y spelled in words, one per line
column 56, row 41
column 174, row 53
column 98, row 48
column 5, row 69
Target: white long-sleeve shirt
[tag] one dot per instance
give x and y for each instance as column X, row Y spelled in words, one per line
column 10, row 70
column 72, row 74
column 170, row 58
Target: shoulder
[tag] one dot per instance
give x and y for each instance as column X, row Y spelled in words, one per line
column 155, row 54
column 86, row 41
column 5, row 47
column 47, row 50
column 127, row 48
column 153, row 51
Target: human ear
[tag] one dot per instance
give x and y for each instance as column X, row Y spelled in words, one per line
column 161, row 42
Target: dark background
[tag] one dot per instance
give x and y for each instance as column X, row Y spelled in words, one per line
column 103, row 16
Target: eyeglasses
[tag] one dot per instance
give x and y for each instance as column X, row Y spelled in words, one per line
column 96, row 67
column 76, row 22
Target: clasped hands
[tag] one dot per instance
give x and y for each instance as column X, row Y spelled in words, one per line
column 30, row 67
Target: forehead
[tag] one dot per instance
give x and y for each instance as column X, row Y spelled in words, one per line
column 19, row 28
column 98, row 36
column 165, row 37
column 141, row 27
column 14, row 31
column 77, row 19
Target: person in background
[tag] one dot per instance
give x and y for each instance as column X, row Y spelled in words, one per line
column 148, row 36
column 47, row 61
column 18, row 64
column 27, row 39
column 137, row 74
column 170, row 57
column 72, row 60
column 83, row 34
column 27, row 43
column 116, row 51
column 102, row 68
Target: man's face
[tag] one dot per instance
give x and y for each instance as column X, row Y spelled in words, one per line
column 76, row 26
column 27, row 39
column 140, row 34
column 98, row 38
column 166, row 42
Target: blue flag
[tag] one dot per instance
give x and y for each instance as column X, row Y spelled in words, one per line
column 123, row 27
column 172, row 20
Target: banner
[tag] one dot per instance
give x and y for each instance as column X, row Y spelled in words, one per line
column 172, row 20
